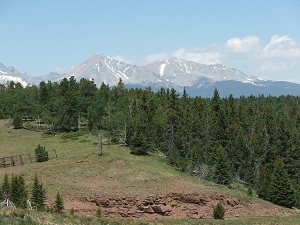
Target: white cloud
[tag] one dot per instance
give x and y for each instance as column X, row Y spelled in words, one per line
column 156, row 57
column 283, row 47
column 61, row 69
column 201, row 55
column 247, row 44
column 275, row 66
column 281, row 53
column 204, row 56
column 123, row 59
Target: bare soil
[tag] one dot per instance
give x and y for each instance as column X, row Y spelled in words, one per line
column 172, row 206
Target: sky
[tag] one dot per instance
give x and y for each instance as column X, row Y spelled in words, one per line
column 258, row 37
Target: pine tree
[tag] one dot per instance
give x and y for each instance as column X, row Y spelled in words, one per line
column 223, row 169
column 219, row 211
column 5, row 188
column 18, row 191
column 282, row 192
column 17, row 121
column 41, row 154
column 99, row 213
column 138, row 143
column 59, row 204
column 263, row 188
column 38, row 192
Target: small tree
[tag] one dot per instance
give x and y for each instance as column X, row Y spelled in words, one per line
column 17, row 121
column 99, row 213
column 38, row 194
column 72, row 212
column 250, row 191
column 18, row 191
column 5, row 188
column 59, row 204
column 139, row 144
column 219, row 211
column 282, row 192
column 222, row 173
column 41, row 154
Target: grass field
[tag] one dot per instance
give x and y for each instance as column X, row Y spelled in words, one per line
column 37, row 218
column 79, row 172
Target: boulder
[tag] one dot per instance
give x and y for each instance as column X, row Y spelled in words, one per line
column 161, row 209
column 148, row 209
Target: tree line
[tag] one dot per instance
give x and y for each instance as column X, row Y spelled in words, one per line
column 253, row 139
column 15, row 190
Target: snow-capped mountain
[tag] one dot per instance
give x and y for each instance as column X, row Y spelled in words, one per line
column 198, row 79
column 8, row 74
column 173, row 72
column 102, row 68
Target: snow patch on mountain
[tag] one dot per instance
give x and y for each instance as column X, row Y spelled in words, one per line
column 161, row 69
column 4, row 79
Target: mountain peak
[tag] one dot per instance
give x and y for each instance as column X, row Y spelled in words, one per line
column 169, row 73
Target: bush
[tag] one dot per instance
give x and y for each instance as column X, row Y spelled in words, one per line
column 98, row 213
column 41, row 154
column 59, row 204
column 250, row 191
column 219, row 211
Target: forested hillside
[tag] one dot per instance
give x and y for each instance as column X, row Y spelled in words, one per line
column 253, row 140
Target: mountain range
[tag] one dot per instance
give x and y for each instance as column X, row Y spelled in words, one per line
column 198, row 79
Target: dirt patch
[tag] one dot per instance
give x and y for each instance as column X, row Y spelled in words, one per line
column 118, row 163
column 172, row 206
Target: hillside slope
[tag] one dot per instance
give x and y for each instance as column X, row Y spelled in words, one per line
column 123, row 185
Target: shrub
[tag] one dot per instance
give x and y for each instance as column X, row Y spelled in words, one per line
column 219, row 211
column 98, row 213
column 72, row 212
column 59, row 204
column 41, row 154
column 250, row 191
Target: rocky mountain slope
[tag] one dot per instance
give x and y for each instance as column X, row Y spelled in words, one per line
column 198, row 79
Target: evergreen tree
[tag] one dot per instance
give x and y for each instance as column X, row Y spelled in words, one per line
column 263, row 188
column 282, row 192
column 223, row 169
column 99, row 213
column 138, row 143
column 41, row 154
column 219, row 211
column 59, row 204
column 5, row 188
column 38, row 194
column 17, row 121
column 18, row 191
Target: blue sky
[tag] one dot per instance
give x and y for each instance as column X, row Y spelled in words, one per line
column 259, row 37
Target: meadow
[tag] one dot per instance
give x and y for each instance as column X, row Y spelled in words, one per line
column 79, row 173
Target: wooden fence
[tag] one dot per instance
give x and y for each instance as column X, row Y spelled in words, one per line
column 22, row 159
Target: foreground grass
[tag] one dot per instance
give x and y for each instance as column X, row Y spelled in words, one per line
column 25, row 217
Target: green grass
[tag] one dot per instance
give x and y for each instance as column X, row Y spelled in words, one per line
column 25, row 217
column 79, row 171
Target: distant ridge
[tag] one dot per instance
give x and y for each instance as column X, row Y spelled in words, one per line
column 198, row 79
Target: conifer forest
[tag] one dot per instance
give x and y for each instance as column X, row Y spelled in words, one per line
column 254, row 140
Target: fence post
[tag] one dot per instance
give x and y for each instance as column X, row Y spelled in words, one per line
column 55, row 154
column 3, row 162
column 12, row 158
column 29, row 158
column 21, row 159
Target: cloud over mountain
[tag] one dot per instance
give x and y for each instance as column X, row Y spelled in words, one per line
column 281, row 53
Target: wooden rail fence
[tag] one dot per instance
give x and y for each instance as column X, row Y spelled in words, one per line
column 22, row 159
